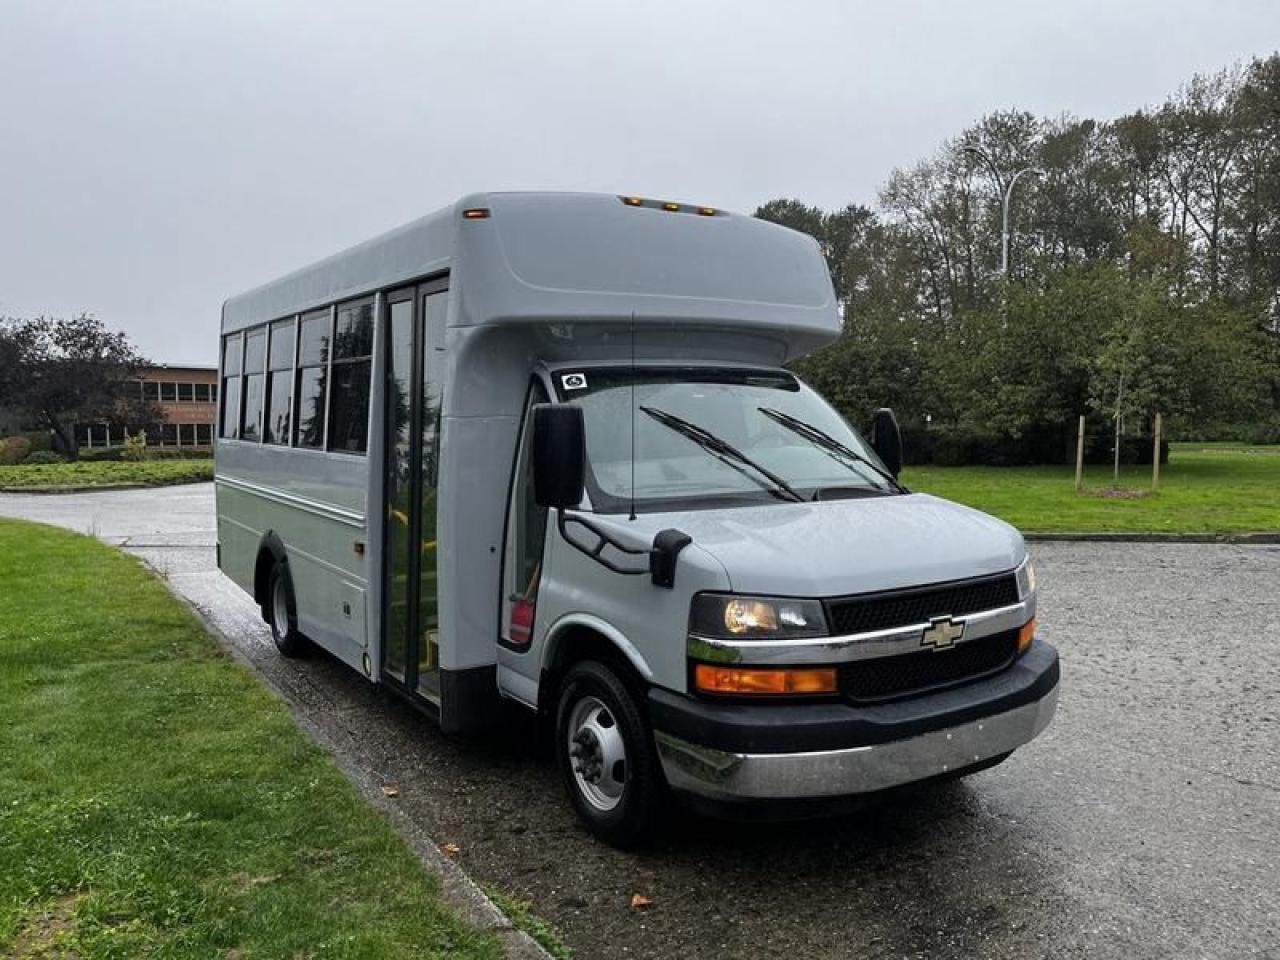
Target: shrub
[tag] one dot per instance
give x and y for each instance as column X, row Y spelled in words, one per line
column 44, row 456
column 100, row 454
column 135, row 447
column 179, row 453
column 917, row 444
column 969, row 446
column 1266, row 432
column 14, row 450
column 39, row 439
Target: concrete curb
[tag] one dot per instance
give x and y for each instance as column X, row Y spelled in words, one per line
column 1153, row 537
column 459, row 892
column 84, row 488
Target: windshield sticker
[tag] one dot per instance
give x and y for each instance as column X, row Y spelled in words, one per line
column 573, row 381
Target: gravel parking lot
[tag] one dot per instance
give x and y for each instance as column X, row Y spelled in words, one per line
column 1144, row 823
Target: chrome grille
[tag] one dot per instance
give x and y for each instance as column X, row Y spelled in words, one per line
column 869, row 612
column 887, row 678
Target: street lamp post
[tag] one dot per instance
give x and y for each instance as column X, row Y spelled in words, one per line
column 1006, row 195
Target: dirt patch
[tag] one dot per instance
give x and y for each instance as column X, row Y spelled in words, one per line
column 1117, row 493
column 49, row 934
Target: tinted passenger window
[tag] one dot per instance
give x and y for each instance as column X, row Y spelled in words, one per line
column 231, row 408
column 282, row 335
column 353, row 331
column 314, row 346
column 311, row 390
column 279, row 405
column 255, row 350
column 312, row 383
column 251, row 422
column 351, row 366
column 349, row 418
column 231, row 354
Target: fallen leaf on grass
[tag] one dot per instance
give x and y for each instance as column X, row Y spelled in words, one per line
column 639, row 901
column 390, row 790
column 247, row 881
column 451, row 849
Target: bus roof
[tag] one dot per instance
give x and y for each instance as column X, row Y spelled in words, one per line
column 560, row 257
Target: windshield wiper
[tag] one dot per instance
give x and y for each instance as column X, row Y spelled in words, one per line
column 829, row 444
column 725, row 452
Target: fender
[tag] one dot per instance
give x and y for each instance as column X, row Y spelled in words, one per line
column 624, row 646
column 273, row 545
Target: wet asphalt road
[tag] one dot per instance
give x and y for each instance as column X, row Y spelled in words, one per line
column 1144, row 823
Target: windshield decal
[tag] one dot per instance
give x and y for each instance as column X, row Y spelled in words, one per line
column 573, row 381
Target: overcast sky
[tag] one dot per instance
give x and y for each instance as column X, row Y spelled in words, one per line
column 157, row 157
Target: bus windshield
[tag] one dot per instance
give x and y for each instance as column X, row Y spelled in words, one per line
column 707, row 437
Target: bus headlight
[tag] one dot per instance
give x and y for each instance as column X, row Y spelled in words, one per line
column 724, row 615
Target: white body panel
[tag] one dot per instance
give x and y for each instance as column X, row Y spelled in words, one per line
column 544, row 279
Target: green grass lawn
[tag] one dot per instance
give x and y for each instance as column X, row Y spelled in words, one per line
column 150, row 473
column 157, row 801
column 1205, row 488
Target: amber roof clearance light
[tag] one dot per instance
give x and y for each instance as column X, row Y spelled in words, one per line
column 476, row 213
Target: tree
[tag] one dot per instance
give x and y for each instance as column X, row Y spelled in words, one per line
column 67, row 372
column 1148, row 251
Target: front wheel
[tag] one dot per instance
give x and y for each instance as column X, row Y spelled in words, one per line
column 606, row 755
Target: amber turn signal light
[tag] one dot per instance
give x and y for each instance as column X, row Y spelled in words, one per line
column 1026, row 634
column 710, row 678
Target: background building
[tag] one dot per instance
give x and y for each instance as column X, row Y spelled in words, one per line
column 187, row 398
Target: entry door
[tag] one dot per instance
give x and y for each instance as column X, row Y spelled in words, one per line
column 415, row 368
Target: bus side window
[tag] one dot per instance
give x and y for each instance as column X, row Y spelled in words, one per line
column 232, row 351
column 526, row 533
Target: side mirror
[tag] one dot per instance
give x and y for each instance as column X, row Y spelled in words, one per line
column 559, row 452
column 886, row 440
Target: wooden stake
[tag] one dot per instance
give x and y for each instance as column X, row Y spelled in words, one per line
column 1080, row 456
column 1155, row 457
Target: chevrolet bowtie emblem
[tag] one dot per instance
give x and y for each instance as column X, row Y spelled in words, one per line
column 942, row 632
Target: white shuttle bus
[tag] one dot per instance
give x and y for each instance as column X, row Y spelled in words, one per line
column 543, row 448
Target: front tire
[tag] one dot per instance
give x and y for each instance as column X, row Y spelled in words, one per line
column 606, row 756
column 282, row 615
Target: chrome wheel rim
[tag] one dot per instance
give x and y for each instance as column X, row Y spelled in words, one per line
column 597, row 754
column 280, row 609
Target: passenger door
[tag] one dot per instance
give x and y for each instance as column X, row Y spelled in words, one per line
column 415, row 318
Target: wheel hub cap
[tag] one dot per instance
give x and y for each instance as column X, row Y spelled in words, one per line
column 597, row 754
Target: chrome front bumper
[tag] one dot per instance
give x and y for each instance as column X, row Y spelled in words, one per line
column 719, row 775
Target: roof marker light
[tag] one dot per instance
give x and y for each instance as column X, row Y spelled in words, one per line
column 671, row 207
column 633, row 201
column 707, row 211
column 476, row 213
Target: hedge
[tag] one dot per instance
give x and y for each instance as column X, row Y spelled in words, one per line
column 98, row 454
column 959, row 446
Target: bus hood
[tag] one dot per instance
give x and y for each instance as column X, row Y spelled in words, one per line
column 838, row 547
